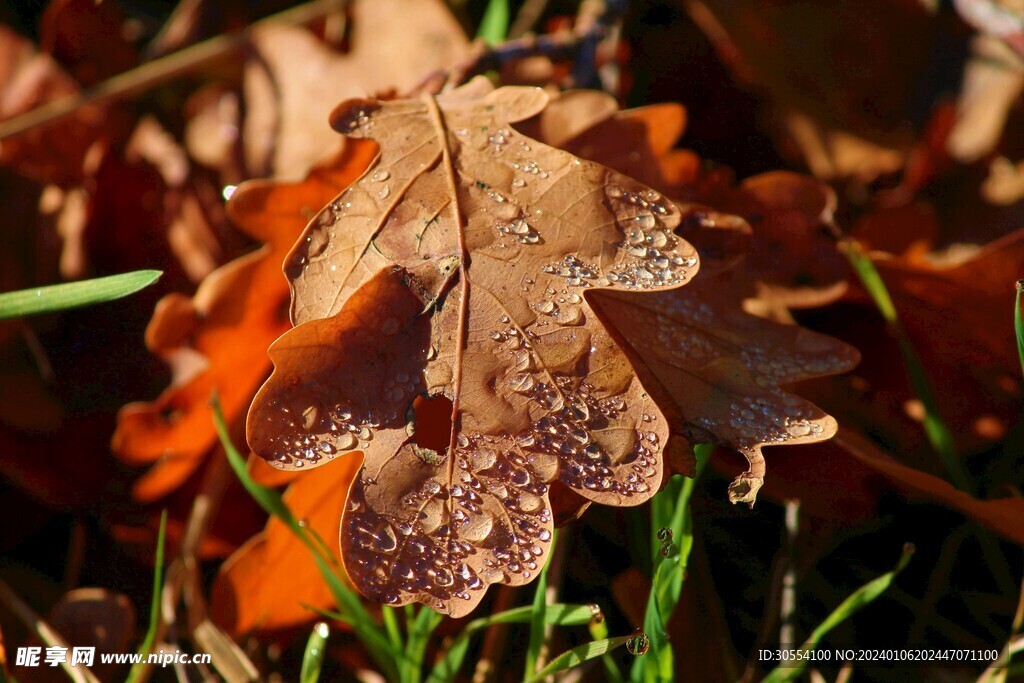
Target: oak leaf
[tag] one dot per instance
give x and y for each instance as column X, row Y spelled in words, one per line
column 444, row 329
column 225, row 328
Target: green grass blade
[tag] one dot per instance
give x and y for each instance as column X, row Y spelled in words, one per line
column 670, row 515
column 420, row 631
column 1018, row 325
column 557, row 614
column 390, row 618
column 536, row 641
column 313, row 658
column 366, row 629
column 936, row 429
column 451, row 662
column 74, row 294
column 578, row 655
column 538, row 621
column 599, row 631
column 494, row 24
column 267, row 498
column 146, row 647
column 857, row 601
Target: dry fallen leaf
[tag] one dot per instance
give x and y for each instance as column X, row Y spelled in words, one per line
column 454, row 272
column 222, row 333
column 89, row 39
column 243, row 600
column 29, row 79
column 95, row 617
column 294, row 79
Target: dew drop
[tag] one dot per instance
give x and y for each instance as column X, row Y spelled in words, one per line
column 799, row 429
column 638, row 644
column 521, row 384
column 443, row 577
column 569, row 316
column 383, row 539
column 484, row 459
column 529, row 502
column 646, row 221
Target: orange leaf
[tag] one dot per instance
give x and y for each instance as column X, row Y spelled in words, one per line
column 456, row 269
column 957, row 315
column 227, row 326
column 244, row 600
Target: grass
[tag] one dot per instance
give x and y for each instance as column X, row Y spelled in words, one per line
column 54, row 298
column 935, row 427
column 857, row 601
column 138, row 670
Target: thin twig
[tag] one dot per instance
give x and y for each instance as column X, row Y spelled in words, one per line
column 159, row 71
column 556, row 572
column 44, row 631
column 527, row 17
column 558, row 46
column 787, row 603
column 494, row 638
column 178, row 30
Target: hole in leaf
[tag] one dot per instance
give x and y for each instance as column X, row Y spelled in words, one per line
column 432, row 423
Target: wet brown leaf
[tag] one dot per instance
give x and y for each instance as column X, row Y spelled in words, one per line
column 790, row 254
column 455, row 272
